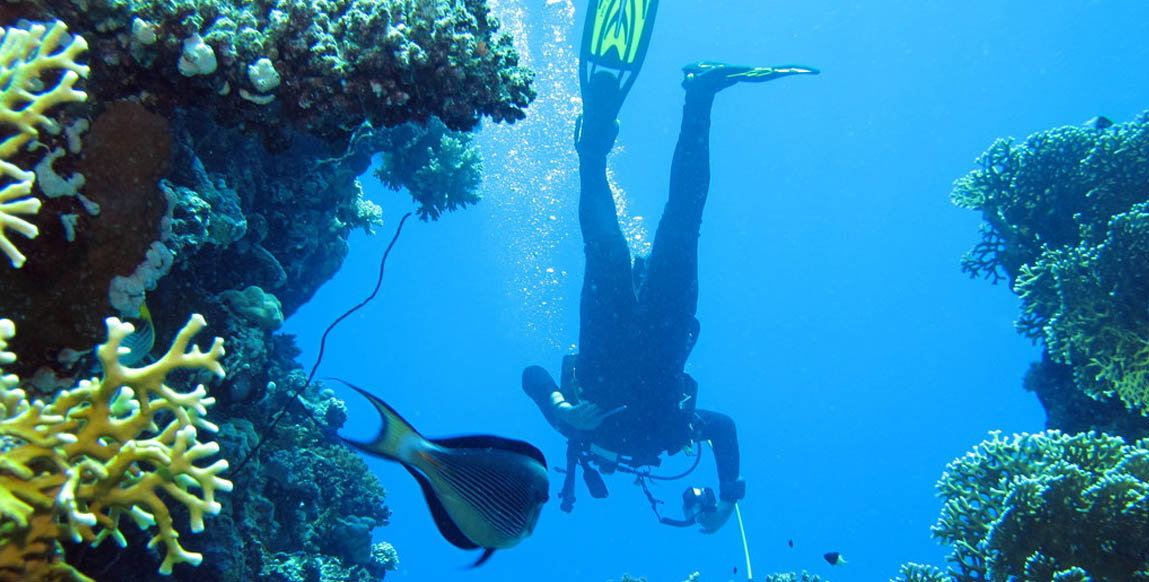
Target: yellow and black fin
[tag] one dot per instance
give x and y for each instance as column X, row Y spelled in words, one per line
column 615, row 39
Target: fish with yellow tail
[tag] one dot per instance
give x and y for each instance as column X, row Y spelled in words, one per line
column 483, row 491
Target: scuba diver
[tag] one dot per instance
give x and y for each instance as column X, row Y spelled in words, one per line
column 625, row 398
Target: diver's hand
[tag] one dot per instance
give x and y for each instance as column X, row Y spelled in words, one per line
column 582, row 416
column 712, row 521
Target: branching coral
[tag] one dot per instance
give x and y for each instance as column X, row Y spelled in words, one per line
column 38, row 71
column 1089, row 307
column 442, row 169
column 1067, row 223
column 121, row 445
column 1046, row 507
column 912, row 572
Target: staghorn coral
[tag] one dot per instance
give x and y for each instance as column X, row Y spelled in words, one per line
column 1045, row 507
column 38, row 71
column 124, row 445
column 442, row 169
column 1066, row 217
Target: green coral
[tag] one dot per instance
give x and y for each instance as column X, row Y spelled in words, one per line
column 912, row 572
column 1067, row 223
column 1089, row 307
column 442, row 169
column 1046, row 507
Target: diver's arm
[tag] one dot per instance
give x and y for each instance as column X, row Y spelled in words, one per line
column 541, row 388
column 561, row 414
column 719, row 429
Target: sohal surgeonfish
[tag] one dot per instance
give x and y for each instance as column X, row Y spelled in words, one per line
column 483, row 491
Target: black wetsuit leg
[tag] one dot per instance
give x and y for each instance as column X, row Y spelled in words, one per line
column 608, row 301
column 669, row 296
column 719, row 430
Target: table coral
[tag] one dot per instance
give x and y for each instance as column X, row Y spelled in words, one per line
column 30, row 58
column 124, row 445
column 1067, row 215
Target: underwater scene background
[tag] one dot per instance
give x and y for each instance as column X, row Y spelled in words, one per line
column 837, row 325
column 851, row 324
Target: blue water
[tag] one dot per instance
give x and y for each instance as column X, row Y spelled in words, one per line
column 837, row 327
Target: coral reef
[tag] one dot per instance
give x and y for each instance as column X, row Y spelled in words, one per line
column 109, row 260
column 912, row 572
column 1070, row 410
column 253, row 234
column 440, row 168
column 309, row 501
column 73, row 466
column 802, row 576
column 38, row 71
column 1067, row 213
column 323, row 67
column 1045, row 507
column 234, row 197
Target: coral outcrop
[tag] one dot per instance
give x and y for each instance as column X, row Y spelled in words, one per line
column 440, row 168
column 1046, row 507
column 1067, row 218
column 322, row 67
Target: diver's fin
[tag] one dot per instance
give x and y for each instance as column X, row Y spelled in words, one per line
column 615, row 38
column 391, row 433
column 712, row 76
column 483, row 558
column 447, row 526
column 492, row 442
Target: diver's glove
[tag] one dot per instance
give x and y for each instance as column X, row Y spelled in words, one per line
column 583, row 416
column 713, row 520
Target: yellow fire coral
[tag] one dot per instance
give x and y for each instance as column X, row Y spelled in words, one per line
column 72, row 467
column 26, row 54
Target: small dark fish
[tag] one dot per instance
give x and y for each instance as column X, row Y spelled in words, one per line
column 483, row 491
column 790, row 543
column 735, row 569
column 834, row 558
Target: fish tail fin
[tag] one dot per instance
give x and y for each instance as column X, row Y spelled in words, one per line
column 392, row 433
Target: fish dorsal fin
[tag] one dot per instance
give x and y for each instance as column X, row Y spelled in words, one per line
column 447, row 526
column 484, row 441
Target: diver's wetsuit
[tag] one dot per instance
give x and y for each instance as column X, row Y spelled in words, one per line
column 635, row 336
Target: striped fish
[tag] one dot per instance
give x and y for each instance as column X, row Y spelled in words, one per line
column 135, row 347
column 483, row 491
